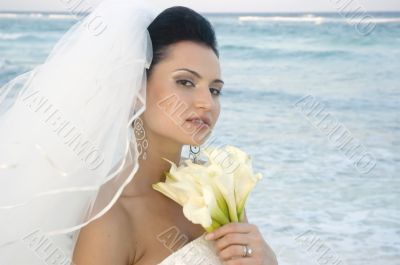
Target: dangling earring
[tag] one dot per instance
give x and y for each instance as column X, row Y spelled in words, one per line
column 140, row 133
column 194, row 153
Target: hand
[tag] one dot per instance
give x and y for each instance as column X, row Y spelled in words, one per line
column 230, row 239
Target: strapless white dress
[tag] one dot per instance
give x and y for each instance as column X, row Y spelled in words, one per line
column 197, row 252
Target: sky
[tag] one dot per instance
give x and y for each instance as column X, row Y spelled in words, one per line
column 219, row 5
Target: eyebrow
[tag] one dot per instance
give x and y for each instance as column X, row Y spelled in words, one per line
column 198, row 75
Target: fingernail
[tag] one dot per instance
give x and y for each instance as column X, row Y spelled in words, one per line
column 209, row 236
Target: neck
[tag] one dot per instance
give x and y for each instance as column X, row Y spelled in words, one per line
column 152, row 169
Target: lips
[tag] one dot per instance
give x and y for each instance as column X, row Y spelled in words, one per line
column 200, row 120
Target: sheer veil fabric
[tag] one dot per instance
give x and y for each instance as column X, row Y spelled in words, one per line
column 67, row 146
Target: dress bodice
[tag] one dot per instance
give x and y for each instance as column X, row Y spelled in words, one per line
column 197, row 252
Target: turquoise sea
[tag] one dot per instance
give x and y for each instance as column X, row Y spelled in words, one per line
column 316, row 102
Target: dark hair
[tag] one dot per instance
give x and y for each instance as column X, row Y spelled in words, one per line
column 176, row 24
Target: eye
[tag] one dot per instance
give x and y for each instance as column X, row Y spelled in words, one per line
column 215, row 92
column 184, row 82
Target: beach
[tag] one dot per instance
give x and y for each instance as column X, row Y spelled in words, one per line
column 316, row 102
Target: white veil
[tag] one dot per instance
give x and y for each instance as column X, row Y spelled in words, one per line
column 67, row 147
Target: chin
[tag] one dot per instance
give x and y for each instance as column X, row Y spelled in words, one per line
column 199, row 138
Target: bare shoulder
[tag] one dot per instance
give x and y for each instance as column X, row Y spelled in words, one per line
column 106, row 240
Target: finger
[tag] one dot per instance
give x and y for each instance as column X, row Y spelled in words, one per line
column 242, row 261
column 232, row 239
column 229, row 228
column 233, row 251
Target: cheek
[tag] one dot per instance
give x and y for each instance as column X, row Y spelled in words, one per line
column 216, row 112
column 218, row 107
column 164, row 109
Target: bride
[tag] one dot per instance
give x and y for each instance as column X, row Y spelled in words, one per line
column 123, row 64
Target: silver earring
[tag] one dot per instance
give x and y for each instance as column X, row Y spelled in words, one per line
column 194, row 153
column 142, row 143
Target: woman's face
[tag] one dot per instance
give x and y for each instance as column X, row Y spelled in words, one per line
column 182, row 87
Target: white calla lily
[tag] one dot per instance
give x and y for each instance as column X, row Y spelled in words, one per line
column 196, row 210
column 215, row 193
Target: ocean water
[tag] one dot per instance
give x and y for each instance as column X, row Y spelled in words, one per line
column 299, row 87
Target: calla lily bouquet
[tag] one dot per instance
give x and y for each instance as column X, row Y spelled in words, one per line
column 214, row 193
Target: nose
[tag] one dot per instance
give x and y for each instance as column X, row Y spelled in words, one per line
column 203, row 98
